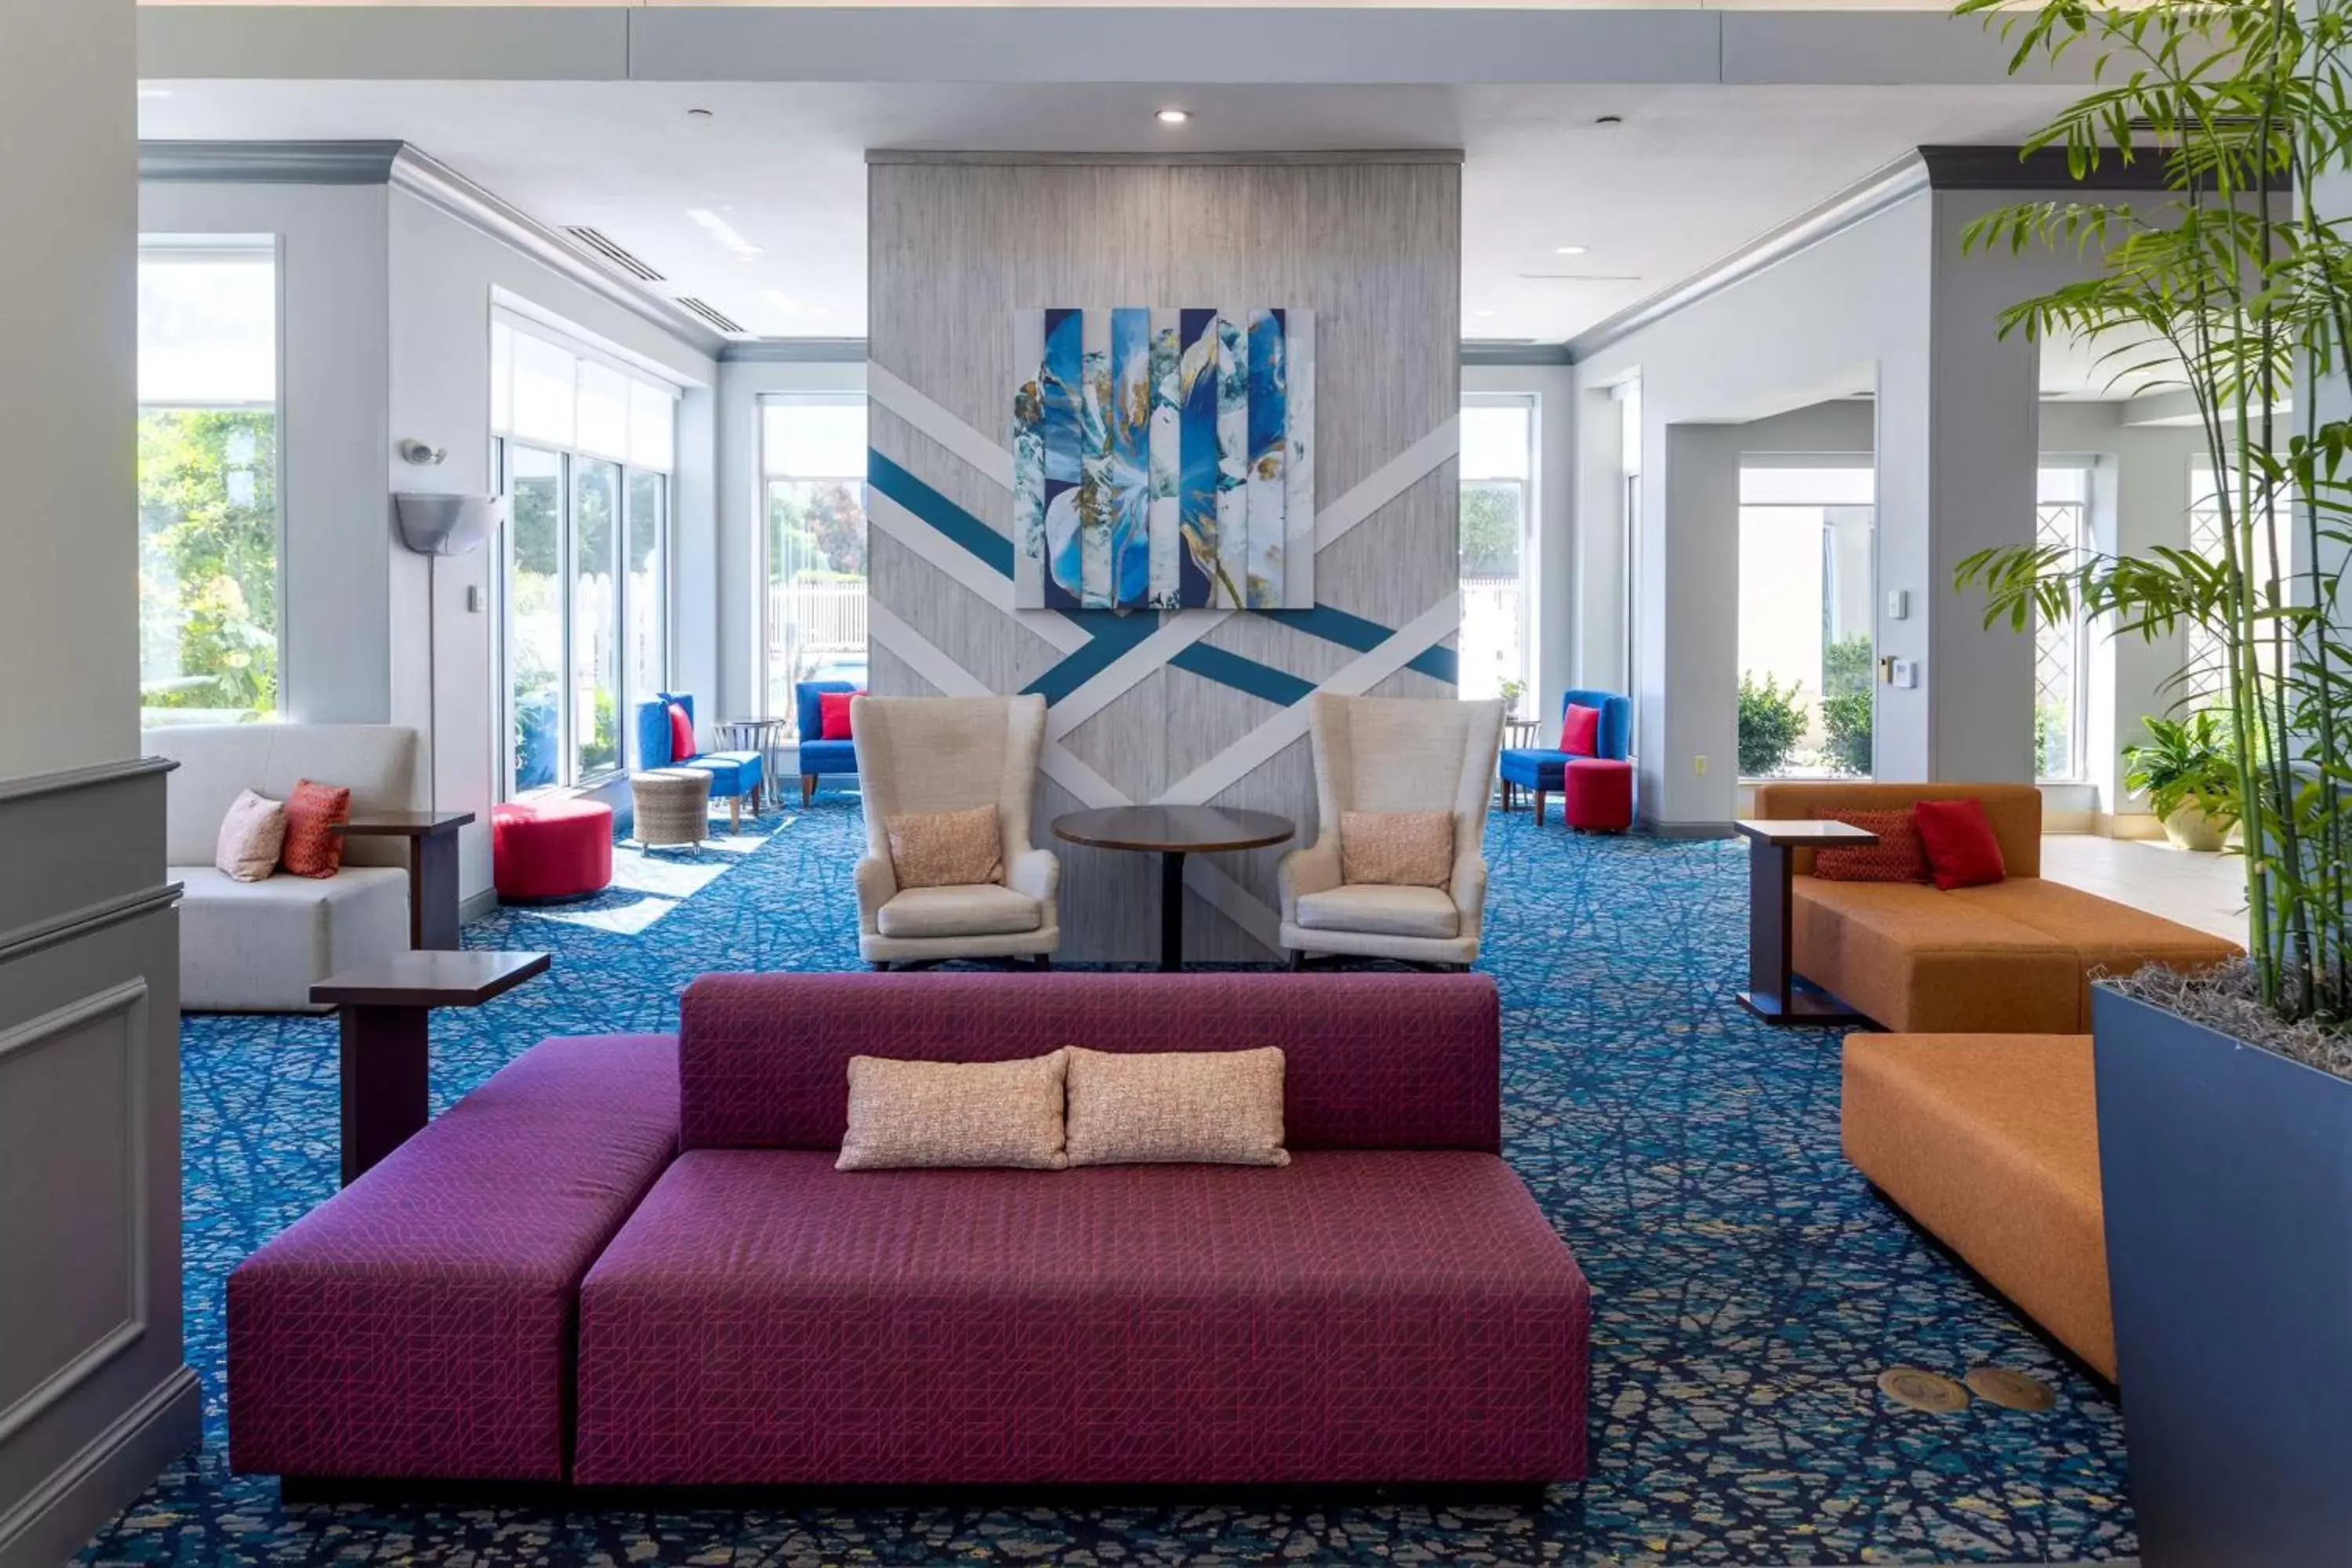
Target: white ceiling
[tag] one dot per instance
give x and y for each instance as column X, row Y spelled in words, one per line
column 1692, row 173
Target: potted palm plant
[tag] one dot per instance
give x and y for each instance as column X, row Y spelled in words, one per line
column 2184, row 770
column 2225, row 1099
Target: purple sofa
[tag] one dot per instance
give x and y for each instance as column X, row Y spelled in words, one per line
column 730, row 1310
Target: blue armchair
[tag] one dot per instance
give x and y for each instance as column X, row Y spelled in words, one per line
column 734, row 775
column 1543, row 772
column 819, row 757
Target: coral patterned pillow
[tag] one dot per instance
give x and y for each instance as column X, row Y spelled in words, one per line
column 1396, row 848
column 1199, row 1108
column 919, row 1115
column 1580, row 731
column 312, row 846
column 946, row 849
column 250, row 836
column 1897, row 857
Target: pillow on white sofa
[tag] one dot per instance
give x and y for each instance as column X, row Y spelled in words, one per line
column 251, row 835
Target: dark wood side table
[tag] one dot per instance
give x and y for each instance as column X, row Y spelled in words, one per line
column 1774, row 991
column 385, row 1008
column 431, row 868
column 1172, row 831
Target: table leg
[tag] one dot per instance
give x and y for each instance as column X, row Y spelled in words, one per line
column 433, row 893
column 385, row 1070
column 1172, row 911
column 1769, row 910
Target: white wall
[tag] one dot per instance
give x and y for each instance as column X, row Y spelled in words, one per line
column 335, row 583
column 1548, row 575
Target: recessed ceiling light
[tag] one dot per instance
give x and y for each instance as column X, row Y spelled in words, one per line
column 1172, row 116
column 724, row 232
column 1568, row 250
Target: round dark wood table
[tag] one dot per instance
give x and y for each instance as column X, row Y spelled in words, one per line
column 1172, row 831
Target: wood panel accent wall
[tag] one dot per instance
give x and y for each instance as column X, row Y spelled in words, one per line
column 1372, row 244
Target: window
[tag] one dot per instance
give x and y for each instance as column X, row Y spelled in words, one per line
column 2060, row 649
column 1497, row 489
column 1629, row 455
column 208, row 526
column 813, row 455
column 585, row 452
column 2208, row 669
column 1807, row 562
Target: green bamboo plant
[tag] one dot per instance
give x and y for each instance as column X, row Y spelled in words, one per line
column 2231, row 284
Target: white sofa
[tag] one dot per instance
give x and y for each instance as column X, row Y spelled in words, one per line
column 258, row 947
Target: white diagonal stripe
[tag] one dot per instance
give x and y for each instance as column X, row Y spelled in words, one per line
column 1059, row 762
column 1235, row 902
column 946, row 676
column 1387, row 481
column 959, row 564
column 1355, row 678
column 1177, row 632
column 994, row 463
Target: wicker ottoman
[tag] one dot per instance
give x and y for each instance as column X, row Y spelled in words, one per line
column 673, row 805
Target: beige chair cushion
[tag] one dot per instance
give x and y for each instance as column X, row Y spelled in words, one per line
column 1397, row 849
column 1375, row 910
column 252, row 833
column 932, row 1114
column 1209, row 1108
column 982, row 909
column 947, row 848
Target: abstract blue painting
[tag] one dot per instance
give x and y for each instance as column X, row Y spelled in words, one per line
column 1163, row 459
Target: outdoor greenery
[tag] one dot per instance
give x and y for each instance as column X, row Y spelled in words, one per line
column 820, row 522
column 1846, row 706
column 1490, row 530
column 2227, row 286
column 2185, row 761
column 208, row 559
column 1771, row 722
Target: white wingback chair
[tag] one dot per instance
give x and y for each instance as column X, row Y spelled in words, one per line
column 1385, row 753
column 922, row 754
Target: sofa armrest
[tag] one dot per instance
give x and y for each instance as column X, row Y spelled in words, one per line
column 1469, row 890
column 1315, row 870
column 1036, row 874
column 878, row 884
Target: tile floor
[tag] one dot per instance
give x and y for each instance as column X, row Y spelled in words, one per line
column 2205, row 891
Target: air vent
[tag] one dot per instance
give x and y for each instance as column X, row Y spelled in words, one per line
column 599, row 244
column 719, row 320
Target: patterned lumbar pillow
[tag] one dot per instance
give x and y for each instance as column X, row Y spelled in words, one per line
column 932, row 1114
column 1397, row 848
column 1897, row 857
column 313, row 848
column 1218, row 1108
column 947, row 848
column 251, row 835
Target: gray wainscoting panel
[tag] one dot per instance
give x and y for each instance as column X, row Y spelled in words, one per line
column 94, row 1395
column 956, row 246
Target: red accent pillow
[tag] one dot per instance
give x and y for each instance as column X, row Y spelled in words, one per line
column 681, row 734
column 1897, row 857
column 312, row 847
column 1580, row 731
column 834, row 705
column 1957, row 837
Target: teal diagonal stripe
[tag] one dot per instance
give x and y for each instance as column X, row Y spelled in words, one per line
column 993, row 549
column 1276, row 686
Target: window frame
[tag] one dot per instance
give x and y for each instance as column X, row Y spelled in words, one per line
column 1860, row 462
column 273, row 246
column 1530, row 500
column 764, row 552
column 2084, row 540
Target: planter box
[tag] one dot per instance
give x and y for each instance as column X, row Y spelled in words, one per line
column 2228, row 1178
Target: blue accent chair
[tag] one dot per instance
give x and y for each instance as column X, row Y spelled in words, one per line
column 734, row 775
column 821, row 757
column 1543, row 772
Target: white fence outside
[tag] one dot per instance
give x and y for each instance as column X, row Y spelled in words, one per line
column 806, row 621
column 1492, row 630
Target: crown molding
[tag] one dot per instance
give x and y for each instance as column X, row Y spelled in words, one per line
column 403, row 167
column 1501, row 353
column 877, row 155
column 795, row 351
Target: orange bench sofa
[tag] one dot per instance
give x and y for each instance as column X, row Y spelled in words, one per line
column 2016, row 957
column 1992, row 1143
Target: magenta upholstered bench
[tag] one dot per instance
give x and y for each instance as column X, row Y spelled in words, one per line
column 1391, row 1307
column 419, row 1324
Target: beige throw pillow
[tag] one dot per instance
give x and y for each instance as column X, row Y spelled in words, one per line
column 947, row 848
column 251, row 835
column 1397, row 849
column 931, row 1114
column 1213, row 1108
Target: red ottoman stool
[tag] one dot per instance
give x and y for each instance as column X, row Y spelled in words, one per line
column 548, row 850
column 1599, row 797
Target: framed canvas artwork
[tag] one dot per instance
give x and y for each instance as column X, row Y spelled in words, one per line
column 1163, row 459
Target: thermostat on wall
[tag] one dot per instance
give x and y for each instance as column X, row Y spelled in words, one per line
column 1902, row 672
column 1898, row 604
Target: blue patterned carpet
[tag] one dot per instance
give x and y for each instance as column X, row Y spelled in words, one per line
column 1748, row 1286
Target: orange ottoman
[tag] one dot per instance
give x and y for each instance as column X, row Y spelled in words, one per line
column 1992, row 1143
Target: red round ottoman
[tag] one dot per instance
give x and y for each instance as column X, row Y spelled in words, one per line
column 548, row 850
column 1599, row 797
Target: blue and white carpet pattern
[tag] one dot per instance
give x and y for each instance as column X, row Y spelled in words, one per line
column 1748, row 1286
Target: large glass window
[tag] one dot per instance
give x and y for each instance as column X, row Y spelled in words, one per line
column 1807, row 556
column 2207, row 679
column 585, row 451
column 1497, row 496
column 2061, row 647
column 812, row 454
column 208, row 530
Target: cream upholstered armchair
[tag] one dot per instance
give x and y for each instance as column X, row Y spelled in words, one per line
column 1393, row 754
column 918, row 755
